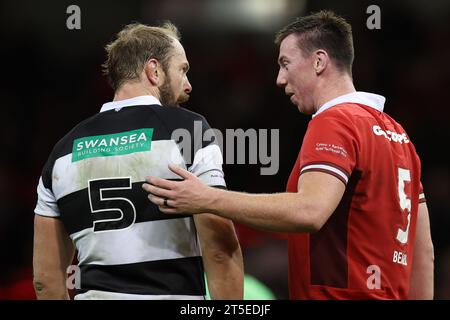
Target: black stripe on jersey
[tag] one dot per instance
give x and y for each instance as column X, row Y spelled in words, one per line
column 326, row 164
column 183, row 276
column 165, row 120
column 76, row 210
column 328, row 247
column 324, row 171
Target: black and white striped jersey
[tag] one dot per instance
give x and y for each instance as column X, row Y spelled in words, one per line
column 93, row 181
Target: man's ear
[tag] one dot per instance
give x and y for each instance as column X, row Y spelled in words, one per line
column 152, row 72
column 321, row 61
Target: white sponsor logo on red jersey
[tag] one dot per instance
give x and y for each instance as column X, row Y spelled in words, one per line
column 390, row 135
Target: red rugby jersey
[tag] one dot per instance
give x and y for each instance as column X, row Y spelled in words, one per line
column 364, row 251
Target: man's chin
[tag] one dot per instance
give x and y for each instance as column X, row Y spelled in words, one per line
column 306, row 111
column 299, row 107
column 182, row 100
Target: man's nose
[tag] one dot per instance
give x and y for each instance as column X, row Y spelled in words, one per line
column 187, row 87
column 281, row 80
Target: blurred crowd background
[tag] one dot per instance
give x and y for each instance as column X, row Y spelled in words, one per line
column 51, row 80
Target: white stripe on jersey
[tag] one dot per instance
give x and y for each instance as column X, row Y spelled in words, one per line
column 104, row 295
column 69, row 177
column 46, row 203
column 207, row 165
column 421, row 196
column 341, row 173
column 142, row 242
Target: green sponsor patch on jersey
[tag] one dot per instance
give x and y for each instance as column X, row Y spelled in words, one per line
column 112, row 144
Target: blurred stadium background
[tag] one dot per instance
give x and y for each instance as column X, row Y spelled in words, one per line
column 51, row 80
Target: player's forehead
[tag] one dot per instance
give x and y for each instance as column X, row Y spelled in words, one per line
column 289, row 47
column 178, row 54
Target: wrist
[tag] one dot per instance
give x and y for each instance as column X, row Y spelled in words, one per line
column 214, row 197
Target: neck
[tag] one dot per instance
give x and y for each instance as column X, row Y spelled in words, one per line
column 330, row 90
column 132, row 90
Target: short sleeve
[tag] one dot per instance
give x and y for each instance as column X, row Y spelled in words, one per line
column 330, row 146
column 421, row 194
column 208, row 159
column 46, row 203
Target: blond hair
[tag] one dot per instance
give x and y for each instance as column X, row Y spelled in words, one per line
column 136, row 44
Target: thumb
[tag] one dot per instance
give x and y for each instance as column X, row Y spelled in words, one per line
column 180, row 171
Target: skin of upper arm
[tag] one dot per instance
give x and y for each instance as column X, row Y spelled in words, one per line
column 222, row 256
column 52, row 253
column 320, row 194
column 422, row 273
column 216, row 233
column 423, row 232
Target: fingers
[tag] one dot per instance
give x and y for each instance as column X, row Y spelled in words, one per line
column 161, row 190
column 159, row 201
column 162, row 207
column 162, row 203
column 169, row 210
column 161, row 183
column 162, row 193
column 180, row 171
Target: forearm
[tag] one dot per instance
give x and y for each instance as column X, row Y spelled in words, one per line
column 422, row 283
column 225, row 275
column 422, row 270
column 272, row 212
column 304, row 211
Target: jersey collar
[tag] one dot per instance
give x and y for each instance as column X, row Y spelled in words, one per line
column 368, row 99
column 136, row 101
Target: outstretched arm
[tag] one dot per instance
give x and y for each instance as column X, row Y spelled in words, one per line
column 305, row 211
column 222, row 257
column 421, row 283
column 53, row 253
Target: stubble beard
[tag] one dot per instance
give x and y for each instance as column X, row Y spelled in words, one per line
column 168, row 97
